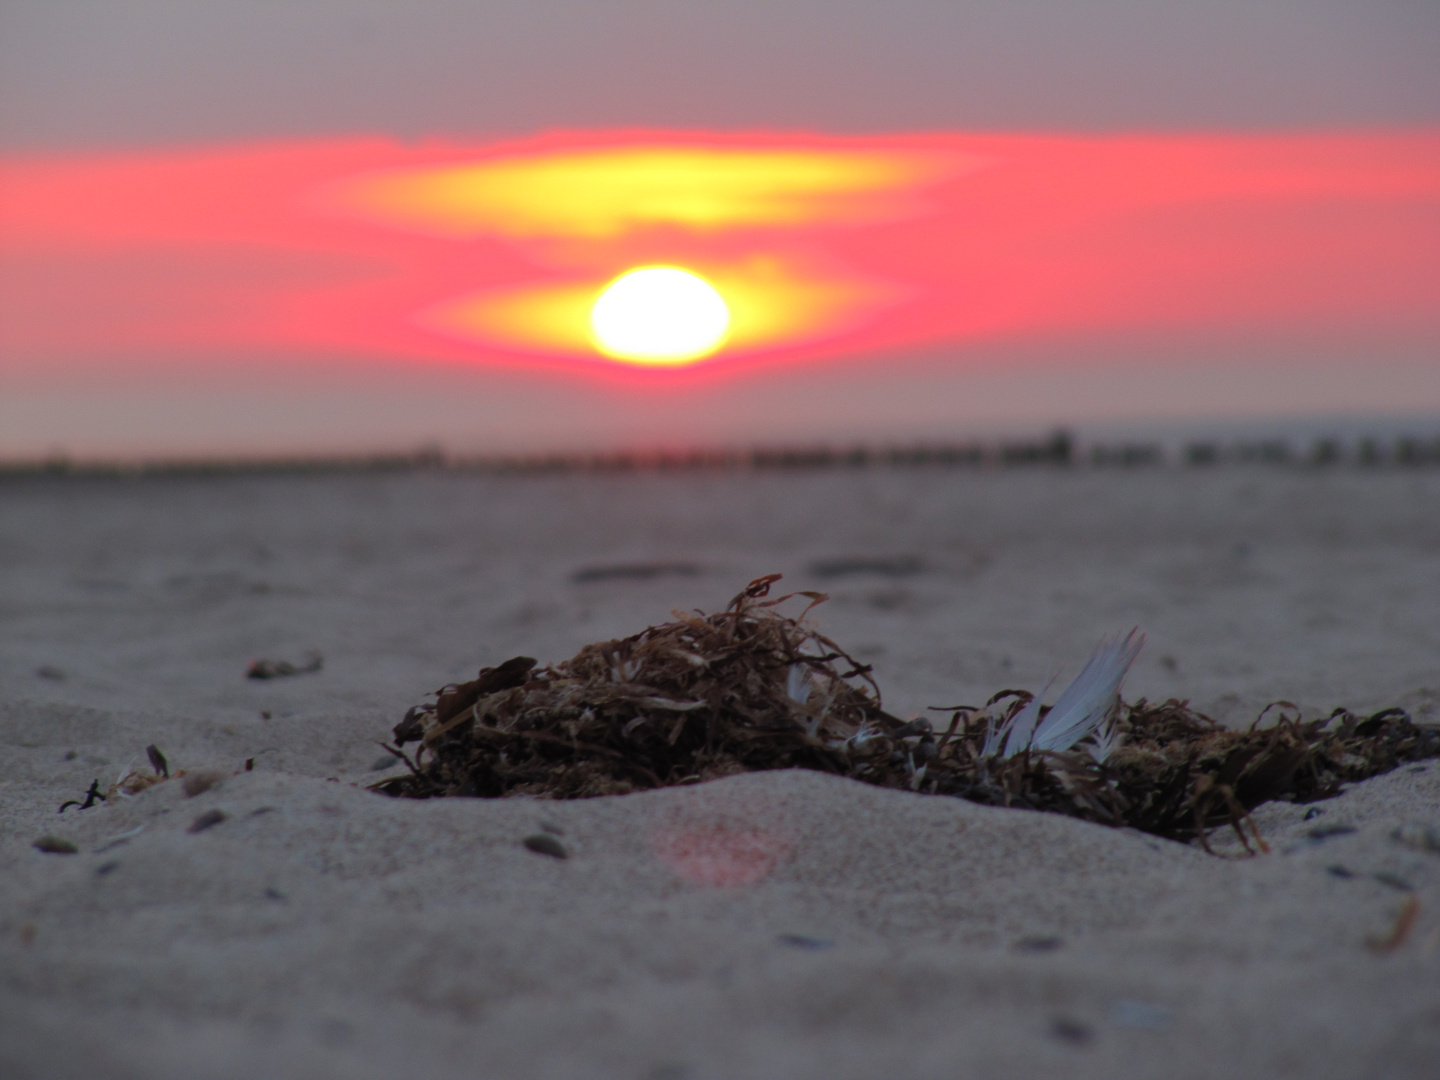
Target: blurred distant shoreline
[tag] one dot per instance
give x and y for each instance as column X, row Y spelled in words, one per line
column 1058, row 449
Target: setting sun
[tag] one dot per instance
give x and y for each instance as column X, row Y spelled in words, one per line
column 659, row 315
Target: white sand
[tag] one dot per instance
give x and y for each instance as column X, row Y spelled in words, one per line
column 339, row 933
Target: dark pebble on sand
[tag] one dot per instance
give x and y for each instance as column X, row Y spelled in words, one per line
column 1323, row 832
column 207, row 820
column 803, row 941
column 545, row 844
column 1395, row 881
column 54, row 845
column 1038, row 944
column 1071, row 1031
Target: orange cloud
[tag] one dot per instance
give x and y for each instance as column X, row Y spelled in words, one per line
column 821, row 247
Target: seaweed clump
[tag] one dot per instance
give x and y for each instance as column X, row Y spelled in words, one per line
column 748, row 689
column 1169, row 770
column 699, row 698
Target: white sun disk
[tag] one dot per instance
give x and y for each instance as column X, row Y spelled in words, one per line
column 659, row 315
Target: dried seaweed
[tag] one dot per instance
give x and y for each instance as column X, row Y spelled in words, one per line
column 702, row 697
column 749, row 689
column 1176, row 773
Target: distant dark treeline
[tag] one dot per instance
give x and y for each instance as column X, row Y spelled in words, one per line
column 1057, row 449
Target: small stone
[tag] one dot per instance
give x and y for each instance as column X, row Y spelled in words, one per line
column 50, row 671
column 804, row 941
column 1324, row 832
column 1038, row 944
column 107, row 868
column 382, row 763
column 1072, row 1031
column 207, row 820
column 197, row 783
column 545, row 844
column 1395, row 881
column 55, row 845
column 1339, row 871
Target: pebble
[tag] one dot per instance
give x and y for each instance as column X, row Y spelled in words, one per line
column 55, row 845
column 1395, row 881
column 1071, row 1031
column 206, row 820
column 545, row 844
column 1322, row 832
column 803, row 941
column 197, row 783
column 1038, row 944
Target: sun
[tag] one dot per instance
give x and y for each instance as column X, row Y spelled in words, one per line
column 659, row 315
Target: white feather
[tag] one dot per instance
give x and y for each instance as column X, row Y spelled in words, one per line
column 1088, row 701
column 1105, row 742
column 1021, row 727
column 1082, row 707
column 798, row 685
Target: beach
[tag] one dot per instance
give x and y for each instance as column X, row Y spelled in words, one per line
column 782, row 924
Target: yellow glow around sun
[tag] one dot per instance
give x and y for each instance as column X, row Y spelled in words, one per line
column 772, row 300
column 659, row 315
column 606, row 192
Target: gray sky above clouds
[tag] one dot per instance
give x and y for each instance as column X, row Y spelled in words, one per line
column 85, row 73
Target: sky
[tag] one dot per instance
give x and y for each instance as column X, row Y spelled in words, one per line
column 1078, row 213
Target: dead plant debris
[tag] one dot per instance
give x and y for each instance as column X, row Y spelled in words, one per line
column 1399, row 929
column 748, row 689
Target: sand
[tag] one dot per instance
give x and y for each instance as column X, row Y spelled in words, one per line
column 769, row 925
